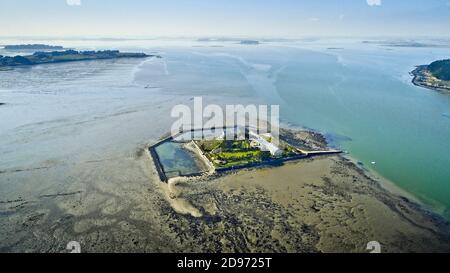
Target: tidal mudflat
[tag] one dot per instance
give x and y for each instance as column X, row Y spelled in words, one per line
column 325, row 204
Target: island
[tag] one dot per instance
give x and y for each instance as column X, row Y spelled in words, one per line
column 249, row 42
column 65, row 56
column 235, row 40
column 435, row 76
column 212, row 151
column 33, row 47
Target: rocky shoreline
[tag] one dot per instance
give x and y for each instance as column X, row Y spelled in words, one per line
column 423, row 78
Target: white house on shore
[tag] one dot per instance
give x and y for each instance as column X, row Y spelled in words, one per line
column 265, row 145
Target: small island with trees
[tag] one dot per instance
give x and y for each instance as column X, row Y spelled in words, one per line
column 65, row 56
column 435, row 76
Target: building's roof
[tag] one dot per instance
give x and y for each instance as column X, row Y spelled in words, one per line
column 265, row 145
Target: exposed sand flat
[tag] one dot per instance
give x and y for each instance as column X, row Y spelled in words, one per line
column 343, row 207
column 321, row 204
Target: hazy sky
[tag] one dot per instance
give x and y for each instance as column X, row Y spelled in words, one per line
column 268, row 18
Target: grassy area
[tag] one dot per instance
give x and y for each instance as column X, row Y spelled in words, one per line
column 210, row 145
column 238, row 158
column 289, row 151
column 226, row 154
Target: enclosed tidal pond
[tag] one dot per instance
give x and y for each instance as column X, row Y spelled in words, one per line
column 177, row 161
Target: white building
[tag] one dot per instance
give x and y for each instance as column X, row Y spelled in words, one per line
column 265, row 145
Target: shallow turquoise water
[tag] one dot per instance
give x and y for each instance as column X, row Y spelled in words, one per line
column 384, row 119
column 361, row 97
column 175, row 160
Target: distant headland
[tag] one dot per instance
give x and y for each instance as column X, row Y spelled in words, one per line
column 435, row 76
column 66, row 56
column 33, row 47
column 249, row 42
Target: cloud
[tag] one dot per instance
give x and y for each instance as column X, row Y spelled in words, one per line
column 73, row 2
column 341, row 16
column 313, row 19
column 374, row 2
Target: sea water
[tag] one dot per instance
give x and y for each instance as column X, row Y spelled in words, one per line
column 359, row 95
